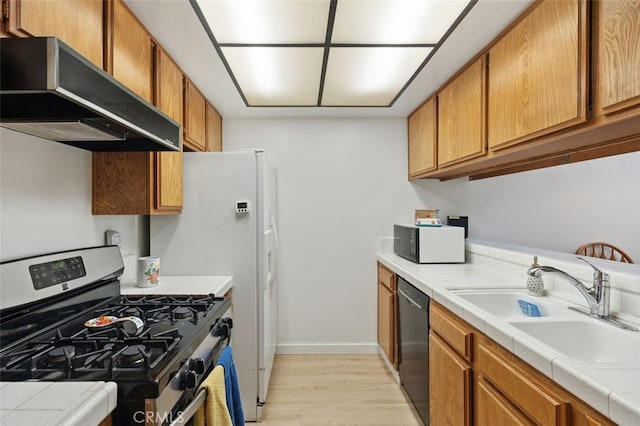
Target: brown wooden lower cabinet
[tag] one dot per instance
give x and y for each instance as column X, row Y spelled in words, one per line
column 387, row 336
column 108, row 421
column 449, row 385
column 488, row 385
column 539, row 401
column 385, row 317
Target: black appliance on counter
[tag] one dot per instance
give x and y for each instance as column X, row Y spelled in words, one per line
column 46, row 333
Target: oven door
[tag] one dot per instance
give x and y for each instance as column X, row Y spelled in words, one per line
column 173, row 404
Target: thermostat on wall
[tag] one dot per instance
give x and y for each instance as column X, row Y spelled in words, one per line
column 242, row 207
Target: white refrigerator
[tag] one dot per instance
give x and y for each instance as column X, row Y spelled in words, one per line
column 228, row 227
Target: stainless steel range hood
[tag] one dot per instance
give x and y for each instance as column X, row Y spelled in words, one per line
column 49, row 90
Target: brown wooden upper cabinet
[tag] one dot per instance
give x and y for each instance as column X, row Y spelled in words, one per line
column 130, row 58
column 169, row 182
column 461, row 116
column 140, row 183
column 195, row 118
column 168, row 166
column 169, row 86
column 538, row 74
column 423, row 134
column 78, row 23
column 617, row 42
column 214, row 129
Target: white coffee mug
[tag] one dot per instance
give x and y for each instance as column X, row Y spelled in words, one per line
column 148, row 271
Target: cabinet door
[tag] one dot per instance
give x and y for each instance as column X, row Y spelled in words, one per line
column 214, row 129
column 169, row 86
column 121, row 183
column 168, row 182
column 493, row 409
column 449, row 385
column 78, row 23
column 422, row 139
column 618, row 57
column 132, row 52
column 194, row 118
column 168, row 166
column 537, row 74
column 461, row 116
column 386, row 322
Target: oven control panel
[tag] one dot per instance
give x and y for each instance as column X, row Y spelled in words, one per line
column 48, row 274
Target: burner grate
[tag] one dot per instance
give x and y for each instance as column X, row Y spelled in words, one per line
column 74, row 352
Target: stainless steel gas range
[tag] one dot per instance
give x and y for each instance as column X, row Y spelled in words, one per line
column 63, row 318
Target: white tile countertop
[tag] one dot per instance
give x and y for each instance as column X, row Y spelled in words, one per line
column 56, row 403
column 609, row 388
column 201, row 284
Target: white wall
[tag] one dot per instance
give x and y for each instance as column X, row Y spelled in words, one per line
column 560, row 208
column 342, row 184
column 45, row 202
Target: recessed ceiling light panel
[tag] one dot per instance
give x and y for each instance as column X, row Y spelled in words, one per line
column 277, row 76
column 326, row 52
column 267, row 21
column 369, row 76
column 394, row 21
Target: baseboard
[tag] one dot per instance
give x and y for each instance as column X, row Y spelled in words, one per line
column 327, row 349
column 390, row 366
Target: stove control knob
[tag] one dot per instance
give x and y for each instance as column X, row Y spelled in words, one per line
column 189, row 379
column 197, row 365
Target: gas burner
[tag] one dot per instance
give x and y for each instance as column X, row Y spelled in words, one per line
column 60, row 354
column 182, row 312
column 133, row 311
column 133, row 355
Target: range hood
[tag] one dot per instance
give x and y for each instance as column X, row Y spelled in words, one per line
column 49, row 90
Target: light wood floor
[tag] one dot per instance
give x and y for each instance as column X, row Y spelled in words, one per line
column 307, row 390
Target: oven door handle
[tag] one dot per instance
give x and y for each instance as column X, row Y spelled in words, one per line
column 191, row 409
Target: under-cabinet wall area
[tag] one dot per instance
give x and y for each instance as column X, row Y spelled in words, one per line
column 45, row 202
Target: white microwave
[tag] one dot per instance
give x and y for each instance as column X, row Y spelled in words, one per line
column 429, row 244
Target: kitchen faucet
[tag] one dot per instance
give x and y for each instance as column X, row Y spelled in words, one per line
column 597, row 296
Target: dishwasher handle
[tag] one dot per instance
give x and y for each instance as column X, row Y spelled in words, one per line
column 413, row 302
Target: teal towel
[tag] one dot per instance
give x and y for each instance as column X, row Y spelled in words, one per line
column 232, row 389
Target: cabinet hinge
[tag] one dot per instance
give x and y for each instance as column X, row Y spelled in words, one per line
column 5, row 10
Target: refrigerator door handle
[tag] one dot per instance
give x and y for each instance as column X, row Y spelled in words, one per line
column 274, row 268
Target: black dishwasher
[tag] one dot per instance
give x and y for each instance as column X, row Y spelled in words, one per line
column 413, row 307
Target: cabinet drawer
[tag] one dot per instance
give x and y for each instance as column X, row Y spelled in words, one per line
column 386, row 277
column 456, row 334
column 539, row 403
column 494, row 409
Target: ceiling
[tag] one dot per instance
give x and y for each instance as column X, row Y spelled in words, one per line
column 175, row 24
column 326, row 53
